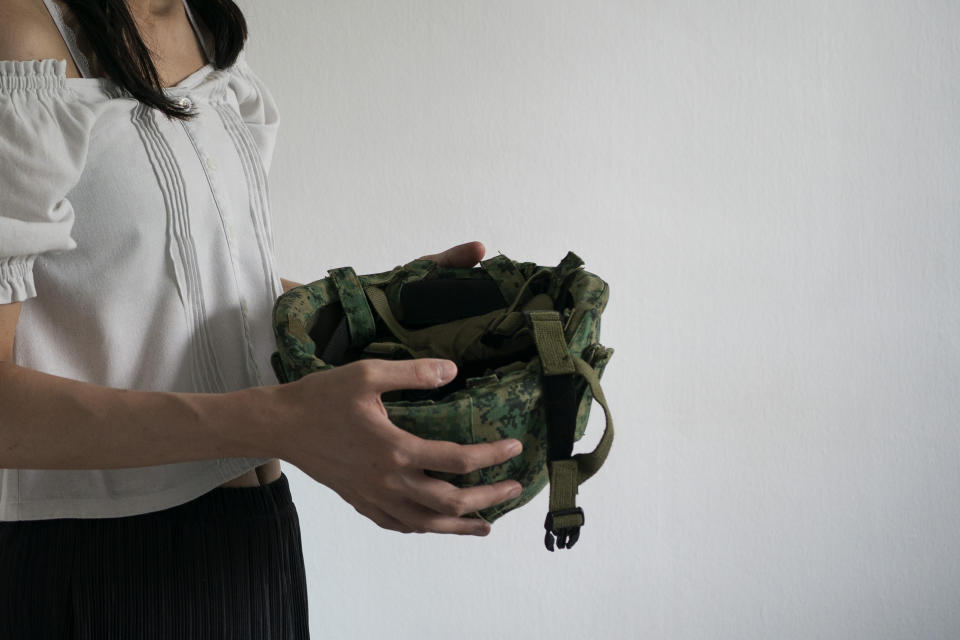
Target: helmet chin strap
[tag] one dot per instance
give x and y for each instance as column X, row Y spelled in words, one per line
column 562, row 392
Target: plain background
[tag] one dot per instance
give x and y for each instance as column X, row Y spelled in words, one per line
column 772, row 190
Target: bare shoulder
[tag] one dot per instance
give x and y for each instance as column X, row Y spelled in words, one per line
column 9, row 316
column 22, row 32
column 27, row 32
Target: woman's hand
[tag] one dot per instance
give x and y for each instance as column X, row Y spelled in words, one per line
column 333, row 426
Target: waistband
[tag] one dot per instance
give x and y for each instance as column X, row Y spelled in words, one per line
column 271, row 500
column 261, row 501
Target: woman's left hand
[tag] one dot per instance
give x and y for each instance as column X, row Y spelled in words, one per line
column 463, row 255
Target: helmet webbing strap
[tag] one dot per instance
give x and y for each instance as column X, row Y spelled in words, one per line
column 562, row 400
column 355, row 307
column 589, row 463
column 379, row 300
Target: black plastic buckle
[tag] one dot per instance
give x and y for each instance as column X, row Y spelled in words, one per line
column 566, row 536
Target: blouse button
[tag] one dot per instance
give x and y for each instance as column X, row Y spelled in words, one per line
column 183, row 103
column 211, row 164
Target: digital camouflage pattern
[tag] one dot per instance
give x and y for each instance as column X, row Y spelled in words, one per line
column 506, row 402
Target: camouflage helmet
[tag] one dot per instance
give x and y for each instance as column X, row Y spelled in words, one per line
column 525, row 341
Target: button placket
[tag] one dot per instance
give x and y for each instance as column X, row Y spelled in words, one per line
column 228, row 228
column 209, row 166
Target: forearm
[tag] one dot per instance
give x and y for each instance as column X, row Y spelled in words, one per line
column 50, row 422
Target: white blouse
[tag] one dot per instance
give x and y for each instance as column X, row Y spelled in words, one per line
column 143, row 253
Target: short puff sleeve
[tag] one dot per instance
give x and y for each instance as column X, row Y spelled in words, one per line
column 44, row 135
column 258, row 109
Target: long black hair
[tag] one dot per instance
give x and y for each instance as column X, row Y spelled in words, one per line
column 123, row 56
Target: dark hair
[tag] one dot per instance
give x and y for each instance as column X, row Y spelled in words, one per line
column 123, row 56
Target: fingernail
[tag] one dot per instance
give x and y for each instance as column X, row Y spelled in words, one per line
column 482, row 529
column 515, row 491
column 514, row 447
column 446, row 370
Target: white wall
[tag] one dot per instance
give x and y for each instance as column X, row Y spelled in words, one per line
column 772, row 189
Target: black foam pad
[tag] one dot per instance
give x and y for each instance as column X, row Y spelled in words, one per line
column 439, row 300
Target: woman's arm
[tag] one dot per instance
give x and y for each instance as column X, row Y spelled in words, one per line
column 50, row 422
column 332, row 425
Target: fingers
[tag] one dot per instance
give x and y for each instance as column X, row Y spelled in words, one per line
column 447, row 500
column 462, row 255
column 384, row 520
column 380, row 376
column 423, row 520
column 435, row 506
column 450, row 457
column 412, row 501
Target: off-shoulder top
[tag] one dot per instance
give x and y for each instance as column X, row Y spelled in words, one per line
column 142, row 251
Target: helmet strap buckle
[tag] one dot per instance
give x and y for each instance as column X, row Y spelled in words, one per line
column 565, row 525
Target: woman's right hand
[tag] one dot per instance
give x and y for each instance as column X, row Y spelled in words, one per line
column 334, row 427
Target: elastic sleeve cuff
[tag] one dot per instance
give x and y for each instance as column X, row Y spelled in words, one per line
column 16, row 279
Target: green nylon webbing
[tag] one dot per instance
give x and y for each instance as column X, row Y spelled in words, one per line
column 563, row 492
column 548, row 334
column 556, row 358
column 360, row 319
column 567, row 475
column 522, row 295
column 589, row 463
column 379, row 301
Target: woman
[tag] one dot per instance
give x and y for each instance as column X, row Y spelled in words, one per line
column 141, row 493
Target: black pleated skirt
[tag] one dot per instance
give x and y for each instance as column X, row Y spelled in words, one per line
column 228, row 564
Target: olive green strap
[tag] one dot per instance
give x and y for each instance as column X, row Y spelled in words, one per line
column 564, row 518
column 556, row 359
column 360, row 319
column 563, row 492
column 379, row 301
column 496, row 322
column 589, row 463
column 555, row 356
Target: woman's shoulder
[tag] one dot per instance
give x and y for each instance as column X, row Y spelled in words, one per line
column 21, row 30
column 34, row 62
column 28, row 32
